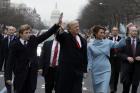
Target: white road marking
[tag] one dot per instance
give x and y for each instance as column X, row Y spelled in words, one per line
column 85, row 88
column 1, row 76
column 43, row 86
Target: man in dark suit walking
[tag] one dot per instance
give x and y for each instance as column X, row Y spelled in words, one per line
column 73, row 59
column 131, row 62
column 115, row 61
column 22, row 60
column 4, row 51
column 49, row 64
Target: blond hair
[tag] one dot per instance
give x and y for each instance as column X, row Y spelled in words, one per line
column 24, row 27
column 71, row 23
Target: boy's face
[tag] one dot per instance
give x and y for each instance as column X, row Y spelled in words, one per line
column 26, row 35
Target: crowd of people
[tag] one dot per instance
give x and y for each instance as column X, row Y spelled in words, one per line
column 66, row 59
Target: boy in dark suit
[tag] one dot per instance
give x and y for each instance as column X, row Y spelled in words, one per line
column 22, row 60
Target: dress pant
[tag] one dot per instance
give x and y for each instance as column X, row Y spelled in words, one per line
column 114, row 81
column 70, row 82
column 126, row 88
column 51, row 79
column 115, row 72
column 8, row 87
column 132, row 80
column 30, row 82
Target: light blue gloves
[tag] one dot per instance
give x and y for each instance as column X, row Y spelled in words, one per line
column 122, row 29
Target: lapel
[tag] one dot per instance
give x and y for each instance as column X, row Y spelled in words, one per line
column 82, row 41
column 20, row 44
column 137, row 45
column 6, row 42
column 111, row 38
column 119, row 38
column 128, row 44
column 49, row 46
column 74, row 40
column 49, row 49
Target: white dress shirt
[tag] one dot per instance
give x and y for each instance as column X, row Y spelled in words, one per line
column 52, row 52
column 78, row 40
column 115, row 38
column 22, row 41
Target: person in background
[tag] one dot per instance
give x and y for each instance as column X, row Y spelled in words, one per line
column 107, row 34
column 49, row 64
column 115, row 61
column 131, row 62
column 4, row 51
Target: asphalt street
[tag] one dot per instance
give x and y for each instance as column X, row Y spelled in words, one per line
column 87, row 85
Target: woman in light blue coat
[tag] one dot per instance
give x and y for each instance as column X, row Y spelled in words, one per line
column 98, row 59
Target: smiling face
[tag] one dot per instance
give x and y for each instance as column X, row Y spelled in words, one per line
column 25, row 32
column 100, row 34
column 25, row 35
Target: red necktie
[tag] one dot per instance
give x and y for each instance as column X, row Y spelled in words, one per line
column 55, row 55
column 133, row 47
column 77, row 43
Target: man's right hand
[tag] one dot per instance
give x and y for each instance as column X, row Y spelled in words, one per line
column 9, row 82
column 60, row 19
column 130, row 59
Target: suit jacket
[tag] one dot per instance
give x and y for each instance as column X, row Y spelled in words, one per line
column 72, row 58
column 45, row 56
column 4, row 51
column 72, row 63
column 114, row 53
column 22, row 58
column 1, row 38
column 130, row 67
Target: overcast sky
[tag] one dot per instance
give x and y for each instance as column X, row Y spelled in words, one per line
column 70, row 8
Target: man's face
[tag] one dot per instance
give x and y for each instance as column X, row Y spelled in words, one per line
column 26, row 35
column 11, row 30
column 74, row 28
column 115, row 31
column 107, row 34
column 133, row 31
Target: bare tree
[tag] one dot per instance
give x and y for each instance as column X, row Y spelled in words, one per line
column 109, row 12
column 21, row 14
